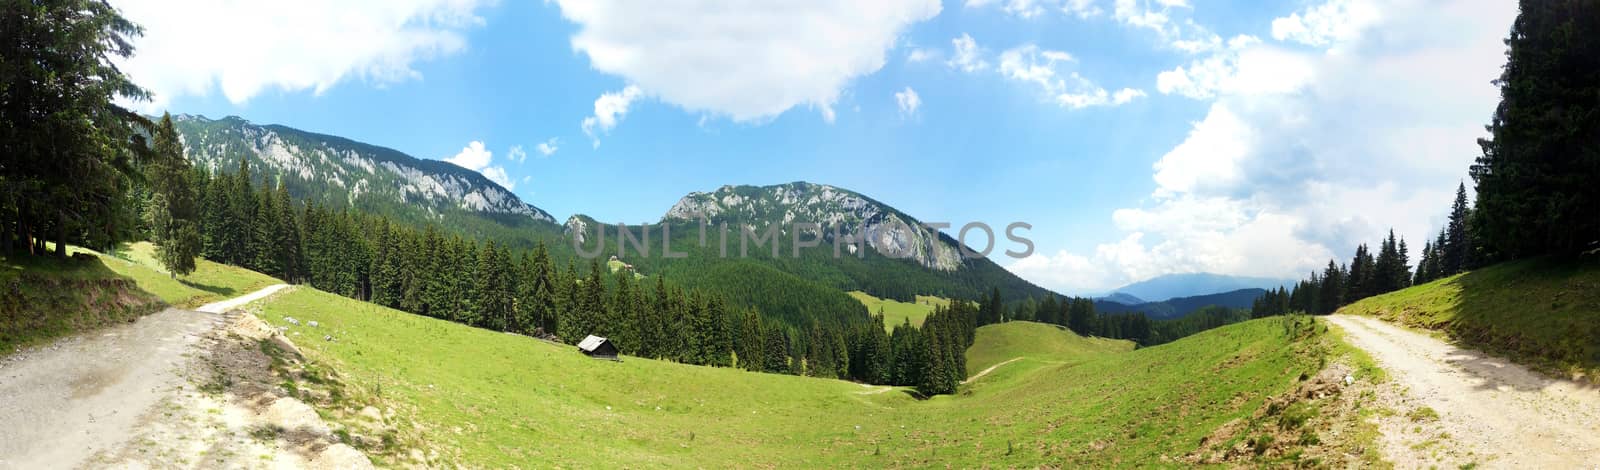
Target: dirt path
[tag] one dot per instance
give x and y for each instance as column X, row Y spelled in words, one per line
column 1490, row 412
column 87, row 397
column 990, row 369
column 240, row 301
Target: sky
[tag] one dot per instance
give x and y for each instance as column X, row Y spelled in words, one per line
column 1137, row 138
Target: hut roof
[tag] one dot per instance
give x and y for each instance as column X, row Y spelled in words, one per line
column 590, row 343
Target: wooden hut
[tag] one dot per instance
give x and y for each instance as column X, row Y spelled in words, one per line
column 598, row 348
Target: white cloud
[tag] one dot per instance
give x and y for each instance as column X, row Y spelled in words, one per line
column 919, row 54
column 609, row 109
column 472, row 157
column 1244, row 67
column 548, row 147
column 243, row 48
column 517, row 154
column 477, row 157
column 908, row 101
column 1210, row 156
column 966, row 54
column 1020, row 8
column 1337, row 20
column 1029, row 9
column 745, row 60
column 1031, row 64
column 1166, row 19
column 1083, row 9
column 498, row 175
column 1307, row 151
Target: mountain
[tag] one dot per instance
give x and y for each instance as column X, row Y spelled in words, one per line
column 900, row 259
column 340, row 172
column 1193, row 284
column 1122, row 298
column 888, row 231
column 1181, row 306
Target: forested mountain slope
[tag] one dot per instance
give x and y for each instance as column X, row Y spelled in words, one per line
column 899, row 258
column 1192, row 284
column 1181, row 306
column 339, row 172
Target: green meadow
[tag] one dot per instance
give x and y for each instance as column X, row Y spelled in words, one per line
column 896, row 312
column 490, row 399
column 52, row 297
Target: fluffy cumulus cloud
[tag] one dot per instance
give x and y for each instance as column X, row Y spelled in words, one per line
column 908, row 101
column 548, row 147
column 1357, row 116
column 1029, row 9
column 243, row 48
column 747, row 61
column 965, row 54
column 609, row 109
column 1019, row 8
column 477, row 157
column 1039, row 67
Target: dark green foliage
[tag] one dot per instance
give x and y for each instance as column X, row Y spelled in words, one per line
column 1336, row 285
column 173, row 213
column 1456, row 246
column 70, row 156
column 1536, row 177
column 1180, row 306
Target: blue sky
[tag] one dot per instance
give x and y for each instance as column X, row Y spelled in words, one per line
column 1137, row 137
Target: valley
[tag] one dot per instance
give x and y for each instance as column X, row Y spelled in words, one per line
column 890, row 234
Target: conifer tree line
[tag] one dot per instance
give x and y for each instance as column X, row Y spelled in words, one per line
column 1366, row 275
column 486, row 285
column 1536, row 178
column 1078, row 314
column 70, row 155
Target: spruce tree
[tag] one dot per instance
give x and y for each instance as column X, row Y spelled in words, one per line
column 174, row 212
column 1536, row 191
column 1458, row 239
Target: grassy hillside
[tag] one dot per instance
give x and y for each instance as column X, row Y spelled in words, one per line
column 48, row 297
column 1542, row 312
column 995, row 344
column 896, row 312
column 489, row 399
column 209, row 282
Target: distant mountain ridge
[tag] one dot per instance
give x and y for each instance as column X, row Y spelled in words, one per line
column 889, row 231
column 902, row 259
column 1193, row 284
column 344, row 173
column 1181, row 306
column 1122, row 298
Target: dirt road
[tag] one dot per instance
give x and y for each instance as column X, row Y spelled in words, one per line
column 1490, row 412
column 85, row 395
column 980, row 375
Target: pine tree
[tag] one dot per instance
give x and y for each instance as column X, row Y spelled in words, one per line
column 1332, row 290
column 263, row 232
column 287, row 239
column 1458, row 239
column 1536, row 177
column 493, row 305
column 174, row 213
column 240, row 215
